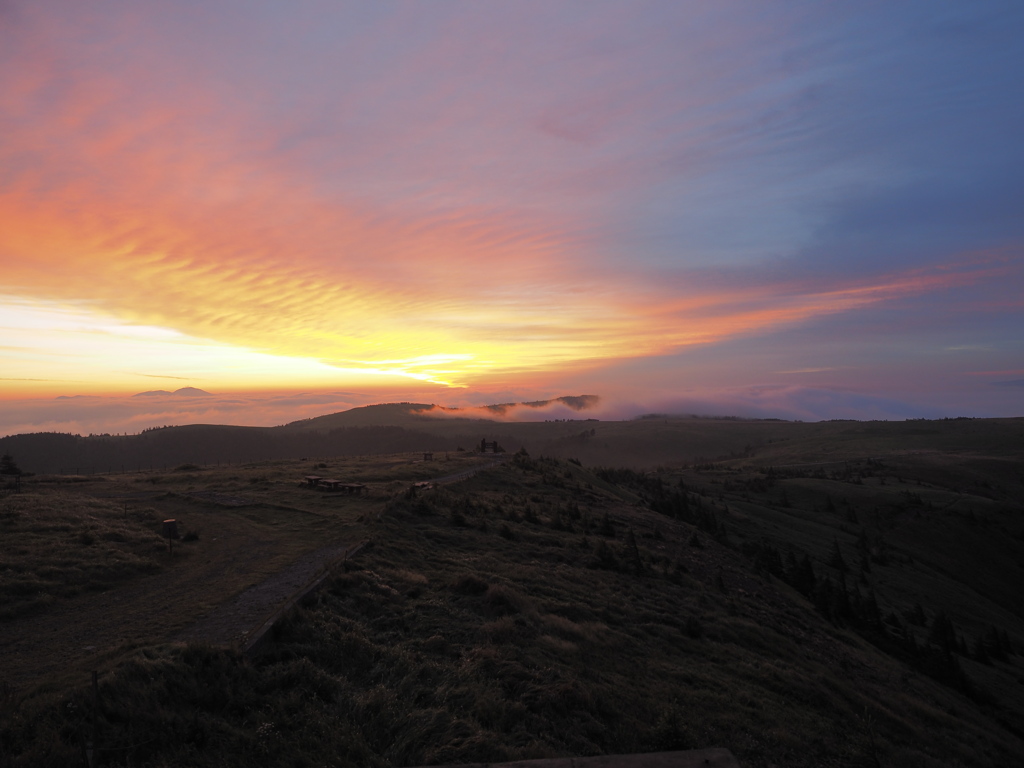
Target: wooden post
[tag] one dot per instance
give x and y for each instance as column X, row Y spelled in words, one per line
column 171, row 532
column 90, row 747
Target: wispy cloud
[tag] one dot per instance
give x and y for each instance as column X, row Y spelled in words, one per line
column 488, row 198
column 807, row 370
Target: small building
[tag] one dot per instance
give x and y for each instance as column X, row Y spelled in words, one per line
column 313, row 480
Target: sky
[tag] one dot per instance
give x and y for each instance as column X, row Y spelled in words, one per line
column 797, row 210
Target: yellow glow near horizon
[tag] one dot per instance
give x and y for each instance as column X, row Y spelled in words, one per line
column 55, row 349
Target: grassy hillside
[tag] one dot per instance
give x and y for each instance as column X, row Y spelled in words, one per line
column 804, row 594
column 383, row 415
column 643, row 443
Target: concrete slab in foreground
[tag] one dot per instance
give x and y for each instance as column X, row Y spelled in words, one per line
column 691, row 758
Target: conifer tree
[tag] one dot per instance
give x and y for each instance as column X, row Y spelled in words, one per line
column 8, row 465
column 803, row 579
column 980, row 652
column 1004, row 641
column 917, row 616
column 836, row 558
column 634, row 551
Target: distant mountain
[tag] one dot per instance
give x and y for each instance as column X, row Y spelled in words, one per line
column 183, row 392
column 576, row 402
column 191, row 392
column 385, row 414
column 417, row 415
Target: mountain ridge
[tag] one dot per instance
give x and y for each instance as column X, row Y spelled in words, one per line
column 182, row 392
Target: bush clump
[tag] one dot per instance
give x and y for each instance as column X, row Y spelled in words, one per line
column 470, row 585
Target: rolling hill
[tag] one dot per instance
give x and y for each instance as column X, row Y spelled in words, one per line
column 839, row 593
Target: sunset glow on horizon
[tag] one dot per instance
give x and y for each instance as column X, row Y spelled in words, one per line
column 671, row 205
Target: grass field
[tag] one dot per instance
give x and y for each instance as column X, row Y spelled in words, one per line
column 546, row 608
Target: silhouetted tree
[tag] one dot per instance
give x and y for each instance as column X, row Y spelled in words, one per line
column 802, row 576
column 916, row 616
column 633, row 552
column 1004, row 641
column 604, row 558
column 8, row 465
column 942, row 633
column 980, row 653
column 836, row 558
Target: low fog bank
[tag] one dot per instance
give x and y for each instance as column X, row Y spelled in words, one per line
column 768, row 402
column 132, row 414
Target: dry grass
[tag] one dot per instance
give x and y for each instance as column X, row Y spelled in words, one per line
column 451, row 642
column 58, row 545
column 80, row 579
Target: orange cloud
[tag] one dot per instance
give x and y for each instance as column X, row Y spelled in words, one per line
column 714, row 315
column 161, row 200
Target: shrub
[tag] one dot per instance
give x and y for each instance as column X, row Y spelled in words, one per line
column 503, row 601
column 436, row 644
column 470, row 585
column 604, row 558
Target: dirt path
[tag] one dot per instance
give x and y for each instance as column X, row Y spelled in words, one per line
column 453, row 478
column 77, row 633
column 236, row 620
column 239, row 619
